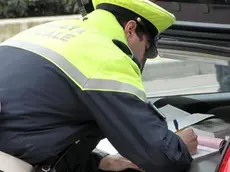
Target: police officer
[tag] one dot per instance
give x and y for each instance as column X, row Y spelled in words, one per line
column 67, row 84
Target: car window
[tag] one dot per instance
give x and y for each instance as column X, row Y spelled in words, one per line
column 164, row 77
column 199, row 24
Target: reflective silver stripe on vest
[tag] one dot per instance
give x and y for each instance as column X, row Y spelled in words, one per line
column 79, row 77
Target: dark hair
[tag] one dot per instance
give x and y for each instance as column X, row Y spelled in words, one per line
column 140, row 31
column 89, row 6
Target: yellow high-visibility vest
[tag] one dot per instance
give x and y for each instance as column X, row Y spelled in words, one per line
column 85, row 52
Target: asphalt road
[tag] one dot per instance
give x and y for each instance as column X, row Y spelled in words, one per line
column 184, row 85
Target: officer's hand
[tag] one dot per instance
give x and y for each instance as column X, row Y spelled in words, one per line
column 190, row 139
column 116, row 163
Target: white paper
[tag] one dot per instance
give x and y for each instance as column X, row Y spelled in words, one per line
column 105, row 145
column 172, row 112
column 183, row 118
column 204, row 151
column 188, row 121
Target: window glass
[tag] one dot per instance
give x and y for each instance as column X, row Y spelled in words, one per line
column 164, row 77
column 204, row 23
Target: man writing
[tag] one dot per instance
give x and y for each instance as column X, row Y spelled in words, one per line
column 65, row 85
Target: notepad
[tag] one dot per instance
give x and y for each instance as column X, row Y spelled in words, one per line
column 207, row 145
column 203, row 124
column 184, row 118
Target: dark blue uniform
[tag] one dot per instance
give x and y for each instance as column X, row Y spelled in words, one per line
column 43, row 112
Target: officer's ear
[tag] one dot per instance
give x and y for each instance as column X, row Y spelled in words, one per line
column 130, row 29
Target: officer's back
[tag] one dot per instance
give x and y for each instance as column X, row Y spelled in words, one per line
column 62, row 81
column 40, row 112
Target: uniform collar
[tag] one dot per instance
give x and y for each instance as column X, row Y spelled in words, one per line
column 107, row 23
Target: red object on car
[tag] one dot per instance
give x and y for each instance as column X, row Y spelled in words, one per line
column 224, row 165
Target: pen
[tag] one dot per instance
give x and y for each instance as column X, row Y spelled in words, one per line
column 176, row 125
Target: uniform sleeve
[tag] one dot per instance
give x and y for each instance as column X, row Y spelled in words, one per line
column 137, row 132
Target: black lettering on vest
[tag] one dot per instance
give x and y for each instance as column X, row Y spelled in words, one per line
column 78, row 30
column 47, row 34
column 37, row 33
column 68, row 27
column 56, row 35
column 67, row 37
